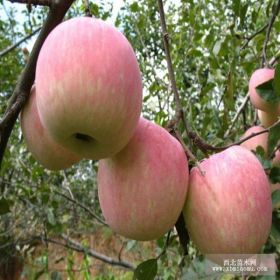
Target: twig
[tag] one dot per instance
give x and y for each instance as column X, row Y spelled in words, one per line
column 248, row 39
column 271, row 22
column 165, row 245
column 277, row 148
column 81, row 206
column 179, row 108
column 189, row 153
column 70, row 244
column 12, row 47
column 21, row 93
column 74, row 245
column 239, row 111
column 267, row 130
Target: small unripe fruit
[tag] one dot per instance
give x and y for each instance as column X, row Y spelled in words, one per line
column 142, row 189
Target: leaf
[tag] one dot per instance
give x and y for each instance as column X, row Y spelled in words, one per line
column 273, row 137
column 229, row 101
column 217, row 47
column 4, row 206
column 146, row 270
column 236, row 7
column 134, row 7
column 276, row 82
column 267, row 92
column 274, row 175
column 276, row 199
column 50, row 216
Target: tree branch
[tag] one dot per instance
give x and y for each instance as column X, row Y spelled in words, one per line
column 74, row 245
column 271, row 22
column 179, row 108
column 182, row 231
column 81, row 206
column 248, row 39
column 21, row 93
column 12, row 47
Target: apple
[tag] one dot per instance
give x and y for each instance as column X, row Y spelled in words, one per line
column 228, row 209
column 142, row 189
column 267, row 118
column 89, row 89
column 259, row 77
column 46, row 151
column 254, row 142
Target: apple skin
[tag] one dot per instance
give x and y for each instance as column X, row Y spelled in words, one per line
column 89, row 88
column 229, row 209
column 142, row 189
column 47, row 152
column 258, row 77
column 254, row 142
column 276, row 162
column 267, row 118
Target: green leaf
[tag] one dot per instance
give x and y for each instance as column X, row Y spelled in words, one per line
column 146, row 270
column 276, row 81
column 274, row 175
column 276, row 199
column 50, row 216
column 229, row 101
column 134, row 7
column 267, row 92
column 4, row 206
column 273, row 137
column 236, row 7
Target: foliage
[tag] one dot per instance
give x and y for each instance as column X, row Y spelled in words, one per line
column 215, row 46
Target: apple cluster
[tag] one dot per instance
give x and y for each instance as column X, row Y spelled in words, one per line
column 86, row 104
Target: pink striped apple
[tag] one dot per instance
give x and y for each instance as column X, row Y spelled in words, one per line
column 268, row 118
column 228, row 208
column 142, row 189
column 46, row 151
column 89, row 89
column 254, row 142
column 259, row 77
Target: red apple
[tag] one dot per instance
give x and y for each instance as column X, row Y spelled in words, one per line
column 267, row 118
column 228, row 209
column 89, row 89
column 259, row 77
column 46, row 151
column 254, row 142
column 142, row 189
